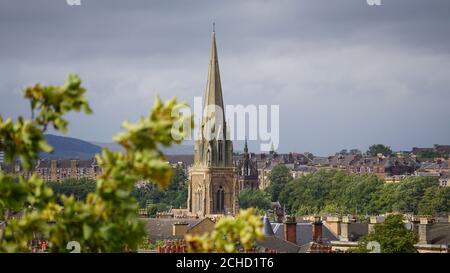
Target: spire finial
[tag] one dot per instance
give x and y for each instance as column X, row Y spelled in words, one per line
column 214, row 27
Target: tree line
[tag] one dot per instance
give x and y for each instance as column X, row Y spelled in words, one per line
column 339, row 192
column 148, row 196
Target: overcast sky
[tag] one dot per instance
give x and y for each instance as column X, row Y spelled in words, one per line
column 345, row 74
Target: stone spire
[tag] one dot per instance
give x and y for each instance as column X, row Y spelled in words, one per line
column 213, row 94
column 214, row 147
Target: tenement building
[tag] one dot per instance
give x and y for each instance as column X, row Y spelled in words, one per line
column 60, row 170
column 213, row 187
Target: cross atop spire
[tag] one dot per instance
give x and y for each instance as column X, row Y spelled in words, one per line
column 214, row 27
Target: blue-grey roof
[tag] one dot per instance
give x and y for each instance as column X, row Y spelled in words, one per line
column 304, row 233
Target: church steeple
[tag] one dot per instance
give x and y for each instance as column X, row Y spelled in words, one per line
column 213, row 92
column 214, row 147
column 212, row 186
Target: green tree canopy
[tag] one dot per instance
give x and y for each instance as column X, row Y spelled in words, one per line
column 254, row 198
column 376, row 149
column 392, row 236
column 435, row 200
column 336, row 191
column 410, row 192
column 279, row 176
column 79, row 188
column 175, row 195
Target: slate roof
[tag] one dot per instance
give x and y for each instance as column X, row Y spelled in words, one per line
column 65, row 163
column 162, row 229
column 273, row 242
column 304, row 233
column 320, row 161
column 186, row 159
column 440, row 234
column 280, row 245
column 304, row 168
column 357, row 230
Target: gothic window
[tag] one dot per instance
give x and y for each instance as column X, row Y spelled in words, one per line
column 220, row 150
column 198, row 200
column 220, row 198
column 208, row 157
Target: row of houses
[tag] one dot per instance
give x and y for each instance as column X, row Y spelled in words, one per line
column 56, row 170
column 389, row 168
column 252, row 170
column 323, row 234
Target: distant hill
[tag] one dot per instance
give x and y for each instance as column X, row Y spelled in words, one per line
column 70, row 148
column 182, row 149
column 74, row 148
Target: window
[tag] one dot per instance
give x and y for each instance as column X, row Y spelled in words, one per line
column 199, row 197
column 220, row 150
column 220, row 198
column 208, row 158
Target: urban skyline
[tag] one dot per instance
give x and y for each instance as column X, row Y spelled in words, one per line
column 383, row 71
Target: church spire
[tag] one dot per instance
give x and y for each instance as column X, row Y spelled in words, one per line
column 214, row 147
column 213, row 93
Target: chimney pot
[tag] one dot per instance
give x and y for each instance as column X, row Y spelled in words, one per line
column 290, row 229
column 316, row 229
column 424, row 220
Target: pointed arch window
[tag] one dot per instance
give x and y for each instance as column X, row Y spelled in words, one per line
column 220, row 150
column 198, row 200
column 208, row 158
column 220, row 198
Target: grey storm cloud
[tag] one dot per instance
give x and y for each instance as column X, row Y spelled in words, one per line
column 345, row 74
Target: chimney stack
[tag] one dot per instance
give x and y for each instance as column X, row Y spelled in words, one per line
column 345, row 234
column 424, row 230
column 290, row 229
column 180, row 228
column 334, row 224
column 316, row 229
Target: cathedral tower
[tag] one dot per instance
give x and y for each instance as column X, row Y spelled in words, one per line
column 212, row 185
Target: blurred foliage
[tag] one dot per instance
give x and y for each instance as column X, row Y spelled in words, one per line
column 148, row 195
column 106, row 221
column 230, row 234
